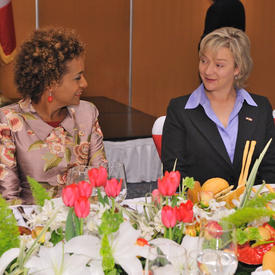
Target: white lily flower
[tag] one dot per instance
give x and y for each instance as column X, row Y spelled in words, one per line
column 123, row 244
column 53, row 261
column 125, row 249
column 7, row 258
column 87, row 245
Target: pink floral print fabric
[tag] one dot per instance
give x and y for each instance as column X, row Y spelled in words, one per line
column 31, row 147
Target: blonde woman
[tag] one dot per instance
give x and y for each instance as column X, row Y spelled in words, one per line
column 206, row 131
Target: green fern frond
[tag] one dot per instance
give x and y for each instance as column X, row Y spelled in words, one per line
column 245, row 215
column 9, row 233
column 260, row 201
column 39, row 193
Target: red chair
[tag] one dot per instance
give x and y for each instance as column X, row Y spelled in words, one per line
column 157, row 132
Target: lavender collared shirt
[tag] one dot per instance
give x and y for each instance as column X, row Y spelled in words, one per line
column 229, row 133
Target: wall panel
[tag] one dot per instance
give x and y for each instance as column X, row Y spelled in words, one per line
column 104, row 26
column 261, row 31
column 165, row 51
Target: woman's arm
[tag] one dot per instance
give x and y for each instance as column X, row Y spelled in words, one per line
column 267, row 167
column 173, row 139
column 9, row 180
column 97, row 153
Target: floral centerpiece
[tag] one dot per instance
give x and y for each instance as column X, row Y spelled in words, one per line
column 78, row 234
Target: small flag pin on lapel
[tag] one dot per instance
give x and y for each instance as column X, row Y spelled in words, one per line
column 249, row 118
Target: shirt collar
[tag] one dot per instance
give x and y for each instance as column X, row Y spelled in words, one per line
column 199, row 97
column 44, row 129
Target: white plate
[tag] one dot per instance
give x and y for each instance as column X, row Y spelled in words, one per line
column 265, row 189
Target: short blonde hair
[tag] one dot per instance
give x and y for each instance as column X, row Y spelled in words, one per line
column 239, row 45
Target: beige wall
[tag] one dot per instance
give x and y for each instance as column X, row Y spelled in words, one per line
column 165, row 40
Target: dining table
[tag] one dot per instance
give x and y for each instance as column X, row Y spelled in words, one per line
column 136, row 194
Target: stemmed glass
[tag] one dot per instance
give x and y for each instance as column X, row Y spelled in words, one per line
column 117, row 170
column 168, row 259
column 78, row 173
column 218, row 251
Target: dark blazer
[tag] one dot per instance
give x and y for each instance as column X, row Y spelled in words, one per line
column 224, row 13
column 194, row 140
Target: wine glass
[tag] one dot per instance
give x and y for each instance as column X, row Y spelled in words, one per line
column 218, row 251
column 78, row 173
column 117, row 170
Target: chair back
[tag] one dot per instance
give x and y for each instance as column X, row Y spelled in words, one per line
column 157, row 132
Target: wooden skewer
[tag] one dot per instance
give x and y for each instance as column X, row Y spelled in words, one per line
column 269, row 188
column 248, row 161
column 245, row 152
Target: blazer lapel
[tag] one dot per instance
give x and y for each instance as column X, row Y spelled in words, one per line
column 210, row 131
column 247, row 124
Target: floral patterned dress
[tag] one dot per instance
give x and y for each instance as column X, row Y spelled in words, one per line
column 31, row 147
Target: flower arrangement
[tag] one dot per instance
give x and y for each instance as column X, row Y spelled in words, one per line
column 77, row 234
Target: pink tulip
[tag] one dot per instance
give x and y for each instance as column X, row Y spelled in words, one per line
column 82, row 207
column 113, row 187
column 169, row 183
column 85, row 189
column 70, row 194
column 185, row 212
column 156, row 196
column 98, row 176
column 169, row 216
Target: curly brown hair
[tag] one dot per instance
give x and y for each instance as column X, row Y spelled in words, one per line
column 42, row 60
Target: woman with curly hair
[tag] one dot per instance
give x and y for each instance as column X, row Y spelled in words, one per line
column 50, row 129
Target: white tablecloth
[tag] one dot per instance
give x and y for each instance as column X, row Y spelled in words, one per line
column 140, row 157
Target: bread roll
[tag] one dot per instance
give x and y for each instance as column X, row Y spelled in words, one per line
column 215, row 185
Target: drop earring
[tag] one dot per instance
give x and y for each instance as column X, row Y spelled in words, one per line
column 50, row 97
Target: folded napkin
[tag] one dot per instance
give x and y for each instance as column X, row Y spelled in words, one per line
column 260, row 271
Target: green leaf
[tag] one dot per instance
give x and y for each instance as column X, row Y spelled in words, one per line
column 70, row 229
column 57, row 236
column 174, row 201
column 51, row 161
column 241, row 236
column 103, row 200
column 68, row 155
column 248, row 234
column 9, row 234
column 39, row 193
column 76, row 222
column 272, row 222
column 188, row 182
column 36, row 145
